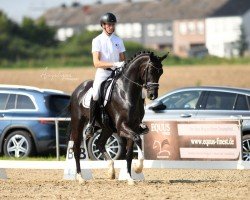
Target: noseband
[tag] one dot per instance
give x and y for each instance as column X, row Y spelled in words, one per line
column 147, row 85
column 150, row 85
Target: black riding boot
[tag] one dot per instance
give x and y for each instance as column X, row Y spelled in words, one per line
column 90, row 127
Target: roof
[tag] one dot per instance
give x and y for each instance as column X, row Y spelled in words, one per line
column 166, row 10
column 30, row 88
column 218, row 88
column 233, row 8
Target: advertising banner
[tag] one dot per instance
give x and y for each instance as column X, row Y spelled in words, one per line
column 193, row 140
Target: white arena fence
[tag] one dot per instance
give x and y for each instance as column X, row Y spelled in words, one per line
column 87, row 164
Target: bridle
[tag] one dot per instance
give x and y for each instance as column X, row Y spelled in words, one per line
column 147, row 85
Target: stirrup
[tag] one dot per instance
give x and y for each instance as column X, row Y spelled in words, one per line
column 89, row 132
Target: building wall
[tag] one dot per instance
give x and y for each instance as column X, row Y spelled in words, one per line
column 156, row 35
column 188, row 34
column 246, row 27
column 222, row 35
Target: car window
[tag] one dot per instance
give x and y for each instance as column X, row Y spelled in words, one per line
column 24, row 102
column 57, row 103
column 3, row 100
column 182, row 100
column 241, row 103
column 220, row 101
column 11, row 102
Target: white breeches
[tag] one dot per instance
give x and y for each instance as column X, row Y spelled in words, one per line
column 100, row 76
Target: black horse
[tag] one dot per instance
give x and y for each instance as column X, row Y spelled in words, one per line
column 125, row 109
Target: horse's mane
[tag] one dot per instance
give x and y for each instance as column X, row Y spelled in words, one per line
column 137, row 55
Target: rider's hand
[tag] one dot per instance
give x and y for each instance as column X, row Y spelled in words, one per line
column 118, row 64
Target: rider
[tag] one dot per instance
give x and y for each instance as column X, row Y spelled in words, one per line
column 108, row 53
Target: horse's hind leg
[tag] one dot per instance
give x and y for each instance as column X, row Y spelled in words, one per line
column 76, row 136
column 101, row 142
column 139, row 165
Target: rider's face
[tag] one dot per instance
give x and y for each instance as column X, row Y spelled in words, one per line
column 109, row 28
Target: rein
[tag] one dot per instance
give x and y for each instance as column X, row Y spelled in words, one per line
column 147, row 84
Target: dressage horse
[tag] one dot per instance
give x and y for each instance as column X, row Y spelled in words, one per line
column 125, row 109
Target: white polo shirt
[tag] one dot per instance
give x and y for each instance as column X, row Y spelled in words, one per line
column 109, row 46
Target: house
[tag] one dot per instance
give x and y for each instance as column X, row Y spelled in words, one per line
column 225, row 27
column 179, row 25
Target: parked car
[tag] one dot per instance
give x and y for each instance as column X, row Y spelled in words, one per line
column 192, row 103
column 21, row 138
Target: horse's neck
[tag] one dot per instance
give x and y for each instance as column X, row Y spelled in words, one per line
column 132, row 81
column 133, row 70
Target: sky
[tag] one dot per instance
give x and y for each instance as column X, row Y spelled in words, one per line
column 17, row 9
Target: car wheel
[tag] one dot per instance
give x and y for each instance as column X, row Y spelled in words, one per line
column 18, row 144
column 246, row 148
column 114, row 147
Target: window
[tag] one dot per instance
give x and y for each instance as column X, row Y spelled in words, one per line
column 57, row 103
column 191, row 27
column 182, row 100
column 3, row 100
column 200, row 27
column 11, row 102
column 241, row 103
column 24, row 102
column 168, row 31
column 151, row 30
column 183, row 28
column 220, row 101
column 159, row 30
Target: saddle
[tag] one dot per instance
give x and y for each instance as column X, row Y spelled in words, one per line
column 106, row 91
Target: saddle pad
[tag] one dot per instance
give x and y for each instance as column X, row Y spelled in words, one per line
column 87, row 97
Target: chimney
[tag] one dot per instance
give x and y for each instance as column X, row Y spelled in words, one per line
column 86, row 9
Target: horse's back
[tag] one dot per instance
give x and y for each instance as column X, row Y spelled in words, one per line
column 80, row 91
column 82, row 88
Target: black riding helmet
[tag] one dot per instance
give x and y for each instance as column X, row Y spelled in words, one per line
column 108, row 18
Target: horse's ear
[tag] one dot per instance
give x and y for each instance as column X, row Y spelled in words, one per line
column 152, row 56
column 164, row 57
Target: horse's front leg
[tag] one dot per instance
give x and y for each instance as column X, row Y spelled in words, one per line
column 138, row 167
column 129, row 157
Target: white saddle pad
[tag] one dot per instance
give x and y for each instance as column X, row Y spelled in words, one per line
column 87, row 97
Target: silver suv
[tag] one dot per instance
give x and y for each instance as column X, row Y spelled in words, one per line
column 205, row 102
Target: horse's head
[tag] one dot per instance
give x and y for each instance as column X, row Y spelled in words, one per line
column 152, row 71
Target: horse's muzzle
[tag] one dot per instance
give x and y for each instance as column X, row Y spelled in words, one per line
column 152, row 90
column 152, row 96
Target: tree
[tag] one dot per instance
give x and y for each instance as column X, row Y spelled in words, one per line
column 242, row 43
column 38, row 33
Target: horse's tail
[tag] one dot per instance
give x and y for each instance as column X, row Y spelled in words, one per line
column 68, row 111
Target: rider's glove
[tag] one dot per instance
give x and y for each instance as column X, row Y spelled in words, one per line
column 118, row 64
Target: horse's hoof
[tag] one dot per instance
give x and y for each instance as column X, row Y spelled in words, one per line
column 111, row 171
column 131, row 182
column 111, row 174
column 138, row 167
column 80, row 179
